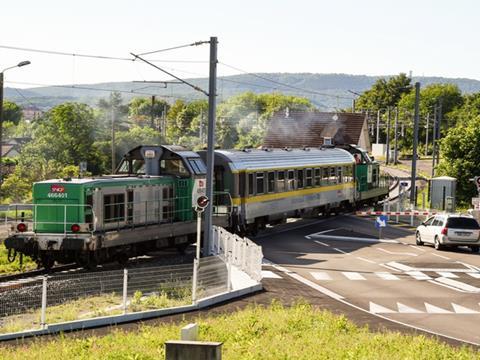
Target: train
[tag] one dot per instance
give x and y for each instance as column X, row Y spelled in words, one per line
column 149, row 202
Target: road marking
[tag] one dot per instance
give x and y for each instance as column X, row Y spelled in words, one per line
column 417, row 248
column 447, row 274
column 321, row 243
column 432, row 309
column 457, row 285
column 396, row 253
column 404, row 309
column 379, row 309
column 474, row 275
column 353, row 275
column 341, row 251
column 463, row 310
column 366, row 260
column 441, row 256
column 267, row 274
column 418, row 275
column 320, row 276
column 352, row 238
column 387, row 276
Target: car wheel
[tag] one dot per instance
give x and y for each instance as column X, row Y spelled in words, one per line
column 475, row 248
column 418, row 239
column 437, row 244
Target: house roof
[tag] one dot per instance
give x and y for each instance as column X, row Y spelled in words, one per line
column 302, row 128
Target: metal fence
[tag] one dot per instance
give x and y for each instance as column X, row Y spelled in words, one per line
column 37, row 302
column 241, row 252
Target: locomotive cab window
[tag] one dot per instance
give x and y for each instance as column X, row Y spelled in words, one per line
column 114, row 208
column 173, row 167
column 198, row 166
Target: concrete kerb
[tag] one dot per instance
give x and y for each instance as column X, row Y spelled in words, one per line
column 142, row 315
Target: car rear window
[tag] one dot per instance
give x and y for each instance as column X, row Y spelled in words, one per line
column 462, row 223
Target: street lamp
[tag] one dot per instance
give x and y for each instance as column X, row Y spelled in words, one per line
column 20, row 64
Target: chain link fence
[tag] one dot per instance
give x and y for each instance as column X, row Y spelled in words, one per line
column 34, row 303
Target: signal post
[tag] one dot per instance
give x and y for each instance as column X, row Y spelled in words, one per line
column 201, row 203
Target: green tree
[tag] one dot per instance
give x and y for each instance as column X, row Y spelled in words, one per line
column 460, row 156
column 385, row 93
column 12, row 112
column 141, row 111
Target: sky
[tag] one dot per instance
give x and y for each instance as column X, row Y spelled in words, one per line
column 431, row 38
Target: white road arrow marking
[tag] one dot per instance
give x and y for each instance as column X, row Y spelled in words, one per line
column 418, row 275
column 474, row 275
column 447, row 274
column 462, row 309
column 378, row 309
column 458, row 285
column 432, row 309
column 404, row 309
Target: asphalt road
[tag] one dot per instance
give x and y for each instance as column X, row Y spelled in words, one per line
column 436, row 291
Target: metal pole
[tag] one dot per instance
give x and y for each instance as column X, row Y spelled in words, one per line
column 426, row 135
column 197, row 257
column 353, row 106
column 125, row 289
column 439, row 128
column 229, row 270
column 434, row 139
column 415, row 143
column 395, row 152
column 43, row 316
column 1, row 127
column 212, row 93
column 387, row 158
column 378, row 126
column 113, row 136
column 152, row 113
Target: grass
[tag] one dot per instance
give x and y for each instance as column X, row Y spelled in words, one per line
column 276, row 332
column 11, row 268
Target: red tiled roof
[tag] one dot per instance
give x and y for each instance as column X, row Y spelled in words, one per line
column 303, row 128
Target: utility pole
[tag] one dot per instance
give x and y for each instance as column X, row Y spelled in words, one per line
column 353, row 106
column 434, row 138
column 387, row 158
column 152, row 113
column 164, row 121
column 113, row 136
column 413, row 189
column 426, row 135
column 212, row 93
column 378, row 127
column 395, row 152
column 439, row 129
column 200, row 135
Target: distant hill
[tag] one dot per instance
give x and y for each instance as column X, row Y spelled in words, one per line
column 327, row 91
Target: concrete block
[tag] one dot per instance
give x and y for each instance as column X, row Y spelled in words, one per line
column 192, row 350
column 189, row 332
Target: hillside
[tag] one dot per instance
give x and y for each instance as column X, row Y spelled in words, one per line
column 326, row 91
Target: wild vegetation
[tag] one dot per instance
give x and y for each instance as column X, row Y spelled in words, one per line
column 275, row 332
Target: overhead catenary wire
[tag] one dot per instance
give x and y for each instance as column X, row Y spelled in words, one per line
column 197, row 43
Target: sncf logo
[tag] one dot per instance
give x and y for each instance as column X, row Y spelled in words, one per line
column 57, row 189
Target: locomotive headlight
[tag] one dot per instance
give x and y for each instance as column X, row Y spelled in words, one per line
column 75, row 228
column 22, row 227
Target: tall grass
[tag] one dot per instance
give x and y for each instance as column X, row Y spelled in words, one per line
column 276, row 332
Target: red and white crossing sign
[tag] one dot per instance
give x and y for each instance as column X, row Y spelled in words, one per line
column 393, row 213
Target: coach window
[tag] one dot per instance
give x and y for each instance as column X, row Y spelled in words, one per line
column 260, row 183
column 317, row 177
column 300, row 179
column 340, row 174
column 281, row 181
column 333, row 177
column 325, row 176
column 308, row 178
column 114, row 208
column 250, row 184
column 271, row 181
column 291, row 180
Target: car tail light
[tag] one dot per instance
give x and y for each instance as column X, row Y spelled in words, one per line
column 75, row 228
column 444, row 231
column 22, row 227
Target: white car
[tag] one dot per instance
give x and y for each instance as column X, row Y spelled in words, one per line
column 449, row 230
